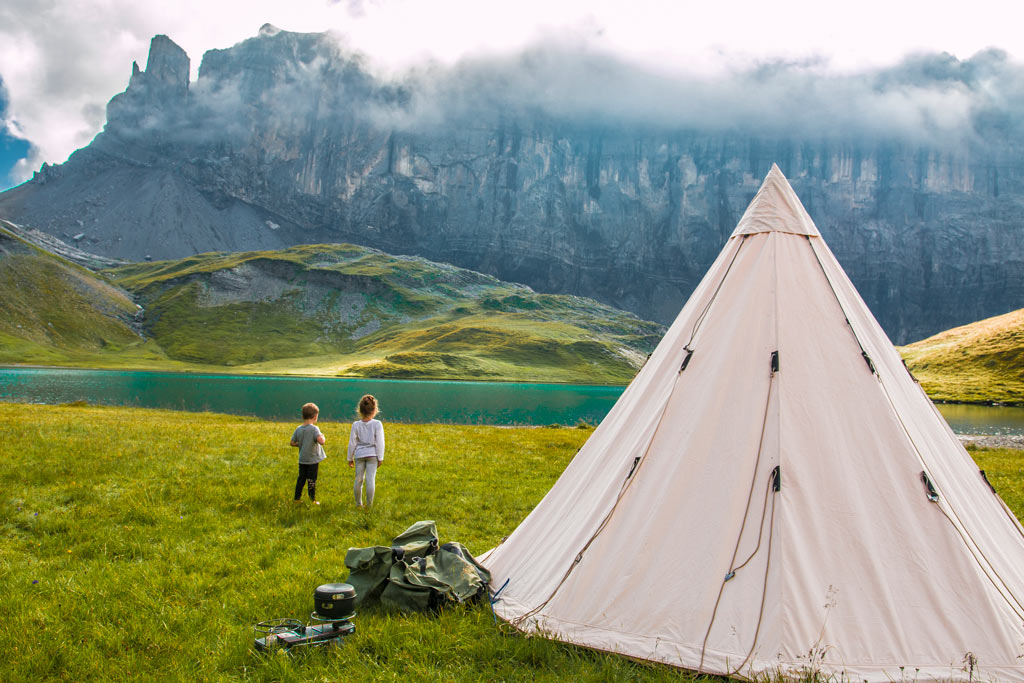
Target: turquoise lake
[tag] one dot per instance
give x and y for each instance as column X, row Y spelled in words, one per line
column 496, row 403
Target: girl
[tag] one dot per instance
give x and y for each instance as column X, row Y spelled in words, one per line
column 366, row 448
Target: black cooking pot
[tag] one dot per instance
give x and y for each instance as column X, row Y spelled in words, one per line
column 335, row 600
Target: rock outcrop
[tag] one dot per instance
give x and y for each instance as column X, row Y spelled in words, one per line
column 155, row 98
column 286, row 139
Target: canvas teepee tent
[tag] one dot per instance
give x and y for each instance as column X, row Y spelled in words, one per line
column 774, row 493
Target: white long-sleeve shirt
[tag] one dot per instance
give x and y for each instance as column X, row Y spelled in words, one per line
column 366, row 440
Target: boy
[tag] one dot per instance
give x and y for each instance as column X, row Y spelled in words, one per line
column 308, row 439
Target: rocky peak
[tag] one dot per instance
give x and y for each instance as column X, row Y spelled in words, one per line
column 161, row 87
column 167, row 68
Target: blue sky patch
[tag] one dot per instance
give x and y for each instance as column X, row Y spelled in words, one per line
column 12, row 149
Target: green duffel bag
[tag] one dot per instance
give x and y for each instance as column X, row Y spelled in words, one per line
column 370, row 568
column 415, row 574
column 368, row 571
column 419, row 540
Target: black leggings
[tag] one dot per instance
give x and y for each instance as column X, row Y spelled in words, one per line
column 307, row 473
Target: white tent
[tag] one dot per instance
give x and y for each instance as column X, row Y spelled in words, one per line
column 773, row 493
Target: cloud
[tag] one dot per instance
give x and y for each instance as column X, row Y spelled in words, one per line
column 645, row 63
column 924, row 99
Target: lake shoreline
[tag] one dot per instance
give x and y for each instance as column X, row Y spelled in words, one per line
column 1011, row 441
column 297, row 375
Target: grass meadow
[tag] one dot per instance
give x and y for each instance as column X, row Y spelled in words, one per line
column 143, row 545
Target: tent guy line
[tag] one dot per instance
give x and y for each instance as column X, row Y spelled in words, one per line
column 773, row 486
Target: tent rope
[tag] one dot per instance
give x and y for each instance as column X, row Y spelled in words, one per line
column 746, row 511
column 760, row 533
column 767, row 569
column 518, row 621
column 703, row 314
column 986, row 565
column 637, row 464
column 853, row 330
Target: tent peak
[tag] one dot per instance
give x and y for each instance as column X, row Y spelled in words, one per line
column 776, row 208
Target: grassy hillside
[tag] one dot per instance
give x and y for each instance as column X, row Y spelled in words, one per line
column 977, row 363
column 53, row 311
column 351, row 311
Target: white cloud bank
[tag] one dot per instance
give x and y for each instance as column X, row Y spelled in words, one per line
column 62, row 60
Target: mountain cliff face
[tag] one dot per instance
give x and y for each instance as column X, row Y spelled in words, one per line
column 286, row 139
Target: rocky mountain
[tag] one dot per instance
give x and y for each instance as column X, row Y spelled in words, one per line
column 509, row 170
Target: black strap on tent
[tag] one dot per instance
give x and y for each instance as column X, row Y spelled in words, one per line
column 636, row 461
column 933, row 495
column 686, row 359
column 775, row 362
column 867, row 359
column 983, row 476
column 777, row 479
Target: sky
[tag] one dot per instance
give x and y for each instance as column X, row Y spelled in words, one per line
column 62, row 60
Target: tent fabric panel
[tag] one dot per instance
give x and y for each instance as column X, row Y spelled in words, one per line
column 850, row 471
column 980, row 514
column 588, row 487
column 775, row 208
column 678, row 493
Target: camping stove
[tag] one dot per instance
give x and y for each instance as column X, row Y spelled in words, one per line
column 331, row 621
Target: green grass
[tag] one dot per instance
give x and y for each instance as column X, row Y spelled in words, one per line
column 143, row 544
column 978, row 363
column 158, row 538
column 334, row 310
column 51, row 308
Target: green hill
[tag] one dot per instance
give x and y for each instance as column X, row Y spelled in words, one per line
column 55, row 311
column 978, row 363
column 337, row 310
column 351, row 311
